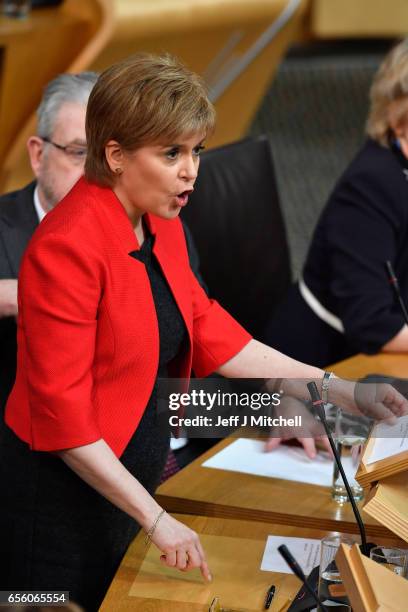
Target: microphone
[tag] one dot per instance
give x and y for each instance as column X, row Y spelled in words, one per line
column 297, row 570
column 394, row 282
column 319, row 405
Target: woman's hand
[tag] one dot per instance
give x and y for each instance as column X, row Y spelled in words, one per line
column 310, row 431
column 256, row 360
column 379, row 401
column 97, row 465
column 8, row 297
column 181, row 546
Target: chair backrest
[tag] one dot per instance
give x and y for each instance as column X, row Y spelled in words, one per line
column 237, row 225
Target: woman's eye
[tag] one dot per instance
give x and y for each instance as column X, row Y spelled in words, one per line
column 172, row 153
column 198, row 150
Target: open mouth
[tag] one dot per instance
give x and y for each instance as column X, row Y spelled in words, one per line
column 182, row 198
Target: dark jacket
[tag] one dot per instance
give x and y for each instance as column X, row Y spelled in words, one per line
column 364, row 223
column 18, row 220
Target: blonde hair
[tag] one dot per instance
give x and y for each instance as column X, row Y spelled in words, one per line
column 388, row 90
column 142, row 100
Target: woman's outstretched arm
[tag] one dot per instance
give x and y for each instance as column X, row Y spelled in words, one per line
column 257, row 360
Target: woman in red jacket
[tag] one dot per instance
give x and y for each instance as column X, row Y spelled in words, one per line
column 107, row 303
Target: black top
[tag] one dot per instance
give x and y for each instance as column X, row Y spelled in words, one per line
column 168, row 314
column 18, row 220
column 364, row 223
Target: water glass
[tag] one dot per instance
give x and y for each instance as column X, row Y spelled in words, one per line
column 331, row 589
column 394, row 559
column 350, row 433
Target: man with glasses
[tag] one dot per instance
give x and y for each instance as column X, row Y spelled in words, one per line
column 57, row 155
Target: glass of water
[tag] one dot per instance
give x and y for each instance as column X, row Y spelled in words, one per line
column 394, row 559
column 331, row 589
column 350, row 433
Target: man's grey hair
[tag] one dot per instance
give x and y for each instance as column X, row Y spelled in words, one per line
column 64, row 88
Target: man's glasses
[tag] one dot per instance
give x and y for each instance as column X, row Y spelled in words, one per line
column 76, row 153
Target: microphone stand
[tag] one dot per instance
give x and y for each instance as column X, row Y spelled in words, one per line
column 394, row 282
column 318, row 404
column 297, row 570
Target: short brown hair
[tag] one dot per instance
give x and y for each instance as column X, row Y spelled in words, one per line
column 390, row 85
column 142, row 100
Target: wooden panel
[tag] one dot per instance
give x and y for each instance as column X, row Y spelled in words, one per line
column 33, row 55
column 50, row 41
column 197, row 31
column 143, row 18
column 200, row 31
column 359, row 18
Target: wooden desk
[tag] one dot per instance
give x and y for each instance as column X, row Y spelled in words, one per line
column 395, row 364
column 259, row 506
column 164, row 590
column 220, row 493
column 200, row 490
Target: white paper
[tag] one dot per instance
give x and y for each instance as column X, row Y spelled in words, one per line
column 389, row 440
column 287, row 462
column 305, row 550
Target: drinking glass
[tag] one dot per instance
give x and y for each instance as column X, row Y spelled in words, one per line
column 331, row 589
column 350, row 433
column 394, row 559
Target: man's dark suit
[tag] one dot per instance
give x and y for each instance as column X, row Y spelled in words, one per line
column 18, row 220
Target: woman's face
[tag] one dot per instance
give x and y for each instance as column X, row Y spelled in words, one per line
column 158, row 178
column 398, row 118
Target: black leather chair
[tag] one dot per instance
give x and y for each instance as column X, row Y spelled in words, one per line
column 238, row 228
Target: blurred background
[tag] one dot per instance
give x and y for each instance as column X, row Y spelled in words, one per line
column 297, row 71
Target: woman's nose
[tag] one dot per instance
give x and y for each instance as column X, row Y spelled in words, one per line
column 189, row 169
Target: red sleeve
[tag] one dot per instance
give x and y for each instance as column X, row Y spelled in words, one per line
column 217, row 337
column 59, row 292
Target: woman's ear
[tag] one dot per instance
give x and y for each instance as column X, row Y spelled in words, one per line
column 114, row 156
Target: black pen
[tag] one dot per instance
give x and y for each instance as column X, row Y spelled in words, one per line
column 269, row 597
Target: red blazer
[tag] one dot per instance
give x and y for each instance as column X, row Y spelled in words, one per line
column 87, row 328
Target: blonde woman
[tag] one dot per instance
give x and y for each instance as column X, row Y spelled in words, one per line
column 344, row 303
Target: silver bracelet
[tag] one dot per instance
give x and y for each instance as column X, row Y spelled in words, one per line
column 152, row 529
column 325, row 386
